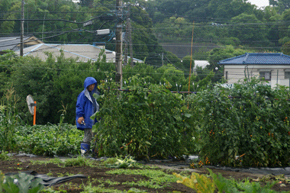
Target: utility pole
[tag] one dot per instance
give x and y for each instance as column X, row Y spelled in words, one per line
column 126, row 45
column 126, row 37
column 118, row 62
column 130, row 43
column 22, row 28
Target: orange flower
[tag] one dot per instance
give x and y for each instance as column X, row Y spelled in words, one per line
column 250, row 135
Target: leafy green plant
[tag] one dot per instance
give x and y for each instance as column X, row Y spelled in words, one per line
column 4, row 156
column 21, row 183
column 198, row 182
column 31, row 139
column 223, row 184
column 252, row 187
column 127, row 162
column 203, row 184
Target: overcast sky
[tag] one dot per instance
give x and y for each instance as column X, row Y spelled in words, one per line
column 259, row 3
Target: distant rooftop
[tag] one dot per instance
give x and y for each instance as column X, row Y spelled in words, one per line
column 13, row 42
column 83, row 52
column 258, row 59
column 10, row 43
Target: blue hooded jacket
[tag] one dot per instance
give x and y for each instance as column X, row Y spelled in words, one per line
column 85, row 107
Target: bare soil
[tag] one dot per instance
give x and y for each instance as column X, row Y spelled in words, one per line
column 23, row 164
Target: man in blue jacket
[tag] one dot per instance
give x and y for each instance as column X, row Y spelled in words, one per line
column 86, row 106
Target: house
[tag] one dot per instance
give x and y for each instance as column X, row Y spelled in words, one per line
column 273, row 67
column 83, row 52
column 13, row 43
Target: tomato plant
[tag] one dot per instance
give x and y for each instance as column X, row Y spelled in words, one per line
column 146, row 121
column 250, row 119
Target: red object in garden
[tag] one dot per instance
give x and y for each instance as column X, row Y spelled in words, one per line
column 34, row 114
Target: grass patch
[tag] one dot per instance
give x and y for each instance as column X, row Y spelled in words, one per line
column 158, row 179
column 79, row 161
column 101, row 188
column 109, row 182
column 56, row 161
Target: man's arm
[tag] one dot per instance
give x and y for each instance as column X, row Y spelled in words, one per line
column 80, row 111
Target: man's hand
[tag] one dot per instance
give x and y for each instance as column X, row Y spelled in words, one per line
column 80, row 120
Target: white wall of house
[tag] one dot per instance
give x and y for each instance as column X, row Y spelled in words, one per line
column 234, row 73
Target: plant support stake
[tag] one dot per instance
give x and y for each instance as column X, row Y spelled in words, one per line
column 34, row 114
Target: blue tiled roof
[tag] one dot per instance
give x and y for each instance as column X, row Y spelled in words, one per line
column 258, row 58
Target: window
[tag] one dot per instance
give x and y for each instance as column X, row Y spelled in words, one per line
column 266, row 75
column 226, row 75
column 287, row 75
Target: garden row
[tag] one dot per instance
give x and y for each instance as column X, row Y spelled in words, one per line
column 122, row 175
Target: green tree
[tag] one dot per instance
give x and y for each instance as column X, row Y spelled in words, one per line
column 249, row 29
column 9, row 26
column 186, row 60
column 172, row 75
column 281, row 4
column 274, row 18
column 286, row 48
column 229, row 8
column 34, row 77
column 218, row 54
column 88, row 3
column 284, row 29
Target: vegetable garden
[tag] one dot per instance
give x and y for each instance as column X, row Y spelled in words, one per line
column 243, row 126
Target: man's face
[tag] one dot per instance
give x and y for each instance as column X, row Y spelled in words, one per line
column 91, row 87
